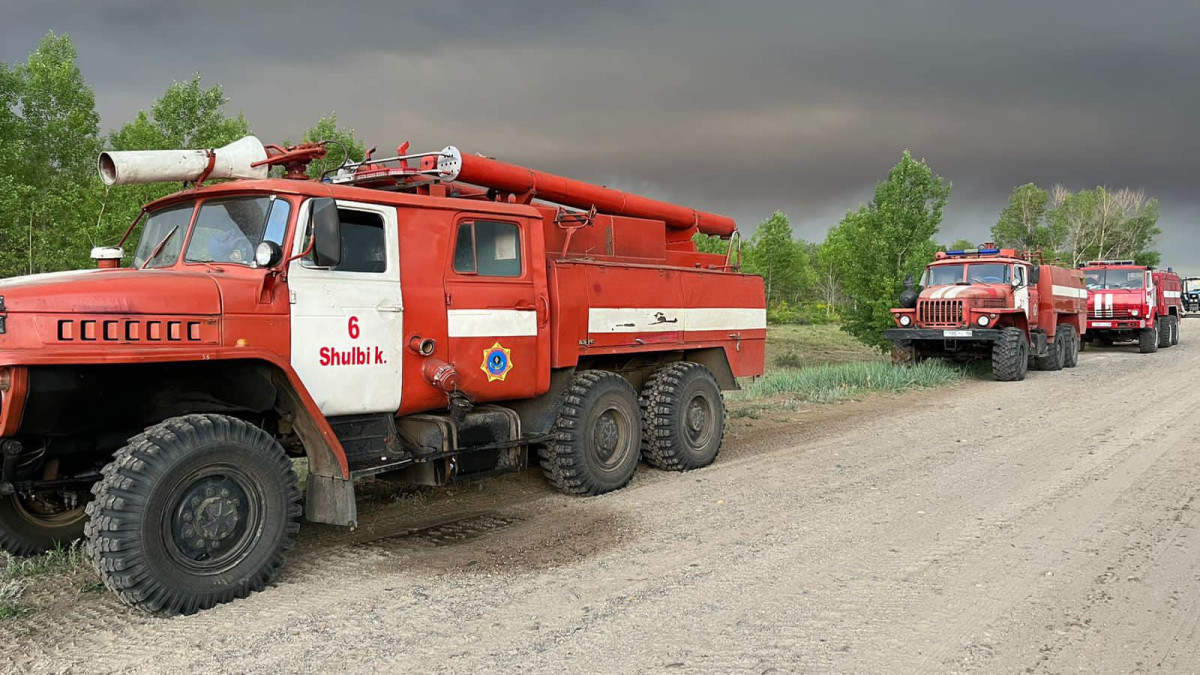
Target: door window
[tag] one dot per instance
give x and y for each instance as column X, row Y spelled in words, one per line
column 1019, row 275
column 488, row 249
column 364, row 246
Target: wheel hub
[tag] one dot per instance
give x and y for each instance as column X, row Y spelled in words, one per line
column 698, row 420
column 211, row 515
column 697, row 417
column 607, row 434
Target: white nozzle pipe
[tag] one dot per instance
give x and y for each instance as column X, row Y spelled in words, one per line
column 157, row 166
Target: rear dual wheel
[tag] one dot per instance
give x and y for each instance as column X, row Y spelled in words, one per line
column 603, row 427
column 1071, row 345
column 1164, row 332
column 597, row 436
column 683, row 417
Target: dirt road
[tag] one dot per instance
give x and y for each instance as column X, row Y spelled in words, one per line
column 1047, row 526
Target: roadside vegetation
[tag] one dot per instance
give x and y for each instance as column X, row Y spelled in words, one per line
column 823, row 364
column 17, row 574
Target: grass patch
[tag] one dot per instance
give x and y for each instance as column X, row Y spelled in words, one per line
column 10, row 601
column 835, row 382
column 63, row 559
column 802, row 346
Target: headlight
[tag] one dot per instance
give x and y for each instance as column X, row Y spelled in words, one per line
column 983, row 321
column 905, row 320
column 268, row 254
column 1133, row 313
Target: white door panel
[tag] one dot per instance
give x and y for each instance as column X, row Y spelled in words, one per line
column 347, row 327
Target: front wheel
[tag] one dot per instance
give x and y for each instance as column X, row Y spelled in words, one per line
column 1148, row 338
column 1010, row 355
column 193, row 512
column 904, row 355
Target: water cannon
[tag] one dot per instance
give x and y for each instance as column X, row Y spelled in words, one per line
column 243, row 158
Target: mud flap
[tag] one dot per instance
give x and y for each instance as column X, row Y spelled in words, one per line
column 330, row 500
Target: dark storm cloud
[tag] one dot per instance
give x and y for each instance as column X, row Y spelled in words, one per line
column 741, row 108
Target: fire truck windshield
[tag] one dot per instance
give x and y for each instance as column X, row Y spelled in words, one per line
column 978, row 273
column 1114, row 279
column 157, row 230
column 227, row 230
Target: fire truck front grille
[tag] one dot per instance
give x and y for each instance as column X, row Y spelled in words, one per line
column 935, row 313
column 1110, row 313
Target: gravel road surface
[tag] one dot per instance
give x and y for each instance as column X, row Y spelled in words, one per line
column 1046, row 526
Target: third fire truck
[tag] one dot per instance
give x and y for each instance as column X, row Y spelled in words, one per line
column 1127, row 301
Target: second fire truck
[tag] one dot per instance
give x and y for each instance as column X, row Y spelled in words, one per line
column 992, row 303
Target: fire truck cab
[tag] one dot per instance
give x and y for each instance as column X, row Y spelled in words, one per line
column 417, row 323
column 992, row 303
column 1127, row 302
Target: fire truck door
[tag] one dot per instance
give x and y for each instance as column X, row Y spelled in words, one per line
column 497, row 312
column 347, row 321
column 1021, row 289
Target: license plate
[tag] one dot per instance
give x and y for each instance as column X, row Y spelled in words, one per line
column 1101, row 324
column 957, row 333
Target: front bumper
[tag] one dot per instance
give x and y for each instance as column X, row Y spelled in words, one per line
column 941, row 335
column 1115, row 324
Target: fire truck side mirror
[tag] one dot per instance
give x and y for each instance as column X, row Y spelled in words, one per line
column 327, row 233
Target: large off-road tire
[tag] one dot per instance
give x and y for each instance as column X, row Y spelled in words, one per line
column 904, row 354
column 1148, row 338
column 598, row 436
column 683, row 417
column 32, row 524
column 1164, row 332
column 1055, row 356
column 1072, row 345
column 1010, row 355
column 195, row 511
column 1175, row 324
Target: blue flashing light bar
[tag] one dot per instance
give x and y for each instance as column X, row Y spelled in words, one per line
column 974, row 251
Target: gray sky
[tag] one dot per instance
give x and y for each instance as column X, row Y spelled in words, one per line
column 739, row 108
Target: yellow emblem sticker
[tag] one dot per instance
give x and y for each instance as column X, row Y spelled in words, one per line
column 497, row 361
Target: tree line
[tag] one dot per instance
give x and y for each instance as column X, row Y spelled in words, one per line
column 855, row 275
column 54, row 208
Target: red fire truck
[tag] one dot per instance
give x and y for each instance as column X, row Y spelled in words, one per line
column 1127, row 301
column 418, row 322
column 992, row 303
